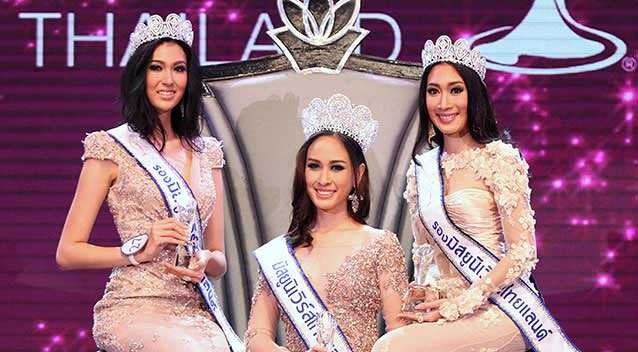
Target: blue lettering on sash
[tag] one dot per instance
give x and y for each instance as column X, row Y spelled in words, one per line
column 173, row 187
column 208, row 293
column 310, row 319
column 476, row 266
column 466, row 259
column 295, row 296
column 507, row 292
column 460, row 250
column 525, row 312
column 454, row 240
column 536, row 326
column 453, row 243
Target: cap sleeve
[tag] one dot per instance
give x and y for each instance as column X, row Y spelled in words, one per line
column 214, row 152
column 100, row 146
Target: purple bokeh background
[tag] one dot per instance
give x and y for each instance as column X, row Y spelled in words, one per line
column 577, row 132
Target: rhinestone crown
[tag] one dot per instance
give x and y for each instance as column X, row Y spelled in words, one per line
column 156, row 27
column 459, row 53
column 337, row 114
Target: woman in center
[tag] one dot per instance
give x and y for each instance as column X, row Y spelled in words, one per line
column 329, row 260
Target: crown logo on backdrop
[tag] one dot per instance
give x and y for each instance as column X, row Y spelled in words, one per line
column 156, row 27
column 337, row 114
column 459, row 53
column 318, row 24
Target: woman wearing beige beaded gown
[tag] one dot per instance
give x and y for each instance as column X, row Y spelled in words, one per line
column 149, row 303
column 342, row 266
column 469, row 199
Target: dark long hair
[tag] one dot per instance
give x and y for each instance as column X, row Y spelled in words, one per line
column 304, row 211
column 481, row 121
column 137, row 110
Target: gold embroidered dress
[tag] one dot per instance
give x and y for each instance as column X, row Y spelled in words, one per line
column 355, row 281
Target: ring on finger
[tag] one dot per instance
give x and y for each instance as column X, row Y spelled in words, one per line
column 419, row 317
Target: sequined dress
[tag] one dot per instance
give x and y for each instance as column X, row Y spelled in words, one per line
column 143, row 308
column 488, row 197
column 356, row 282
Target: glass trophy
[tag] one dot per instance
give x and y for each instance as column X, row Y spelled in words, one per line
column 424, row 289
column 186, row 215
column 326, row 329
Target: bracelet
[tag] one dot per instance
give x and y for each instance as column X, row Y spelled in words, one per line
column 132, row 260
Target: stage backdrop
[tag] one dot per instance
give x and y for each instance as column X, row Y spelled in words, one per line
column 562, row 76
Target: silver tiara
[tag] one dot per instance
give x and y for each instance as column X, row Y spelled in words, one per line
column 337, row 114
column 155, row 28
column 459, row 53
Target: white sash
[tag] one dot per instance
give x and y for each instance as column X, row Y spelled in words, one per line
column 175, row 191
column 294, row 292
column 520, row 300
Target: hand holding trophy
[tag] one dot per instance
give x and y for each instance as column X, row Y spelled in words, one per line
column 186, row 215
column 423, row 288
column 326, row 329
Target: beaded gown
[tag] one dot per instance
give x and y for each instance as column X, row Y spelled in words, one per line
column 356, row 281
column 143, row 307
column 487, row 195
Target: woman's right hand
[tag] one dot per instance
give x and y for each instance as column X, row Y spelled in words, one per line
column 165, row 232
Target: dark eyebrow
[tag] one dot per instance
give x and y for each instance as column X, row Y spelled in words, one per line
column 449, row 84
column 331, row 161
column 163, row 63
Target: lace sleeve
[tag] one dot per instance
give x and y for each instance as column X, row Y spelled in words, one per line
column 264, row 315
column 507, row 179
column 393, row 279
column 214, row 152
column 100, row 146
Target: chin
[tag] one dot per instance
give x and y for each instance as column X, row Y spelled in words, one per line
column 164, row 106
column 326, row 205
column 450, row 130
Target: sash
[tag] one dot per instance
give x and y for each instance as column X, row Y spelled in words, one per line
column 294, row 292
column 175, row 191
column 521, row 301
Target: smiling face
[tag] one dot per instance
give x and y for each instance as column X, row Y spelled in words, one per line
column 446, row 100
column 166, row 77
column 329, row 174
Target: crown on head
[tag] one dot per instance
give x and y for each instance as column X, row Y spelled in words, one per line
column 459, row 53
column 337, row 114
column 156, row 27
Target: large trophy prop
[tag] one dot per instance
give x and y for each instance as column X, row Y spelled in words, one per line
column 254, row 107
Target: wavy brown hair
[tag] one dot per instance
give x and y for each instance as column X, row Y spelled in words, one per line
column 304, row 211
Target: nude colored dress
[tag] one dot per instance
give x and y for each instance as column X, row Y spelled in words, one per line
column 488, row 197
column 355, row 282
column 144, row 308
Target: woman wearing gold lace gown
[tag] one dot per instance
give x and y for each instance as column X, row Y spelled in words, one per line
column 149, row 304
column 357, row 271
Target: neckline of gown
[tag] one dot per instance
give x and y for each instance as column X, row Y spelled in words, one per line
column 348, row 257
column 466, row 189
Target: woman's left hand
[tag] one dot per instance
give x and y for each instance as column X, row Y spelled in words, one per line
column 427, row 312
column 196, row 269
